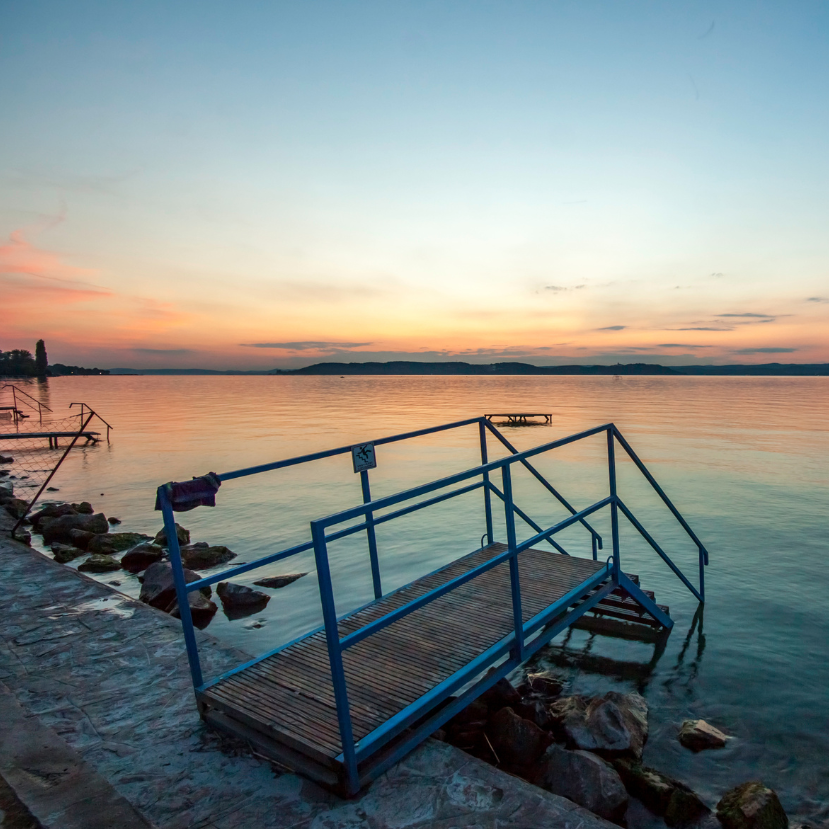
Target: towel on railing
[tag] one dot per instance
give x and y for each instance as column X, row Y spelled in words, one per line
column 187, row 495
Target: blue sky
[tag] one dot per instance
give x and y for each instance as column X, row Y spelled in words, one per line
column 561, row 182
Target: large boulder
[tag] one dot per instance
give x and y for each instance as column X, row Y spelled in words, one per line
column 182, row 535
column 202, row 610
column 81, row 538
column 58, row 529
column 752, row 805
column 585, row 779
column 109, row 543
column 613, row 725
column 202, row 556
column 99, row 564
column 84, row 508
column 676, row 802
column 158, row 588
column 239, row 601
column 64, row 553
column 517, row 742
column 699, row 735
column 141, row 557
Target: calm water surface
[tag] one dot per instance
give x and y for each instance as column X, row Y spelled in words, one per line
column 746, row 460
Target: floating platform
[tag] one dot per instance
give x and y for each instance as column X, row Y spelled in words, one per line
column 523, row 418
column 52, row 437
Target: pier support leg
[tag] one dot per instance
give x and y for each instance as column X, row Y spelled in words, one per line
column 372, row 538
column 490, row 537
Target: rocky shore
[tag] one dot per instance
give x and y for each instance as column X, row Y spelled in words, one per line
column 588, row 750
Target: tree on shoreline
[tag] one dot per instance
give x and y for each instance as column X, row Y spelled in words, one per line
column 41, row 360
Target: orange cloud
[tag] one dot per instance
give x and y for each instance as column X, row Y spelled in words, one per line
column 20, row 256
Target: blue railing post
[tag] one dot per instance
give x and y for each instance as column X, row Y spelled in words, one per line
column 514, row 575
column 335, row 655
column 372, row 539
column 614, row 511
column 490, row 538
column 181, row 586
column 595, row 547
column 702, row 574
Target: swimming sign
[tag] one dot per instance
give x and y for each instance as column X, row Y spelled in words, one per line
column 363, row 457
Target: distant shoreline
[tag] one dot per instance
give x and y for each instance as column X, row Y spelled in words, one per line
column 413, row 368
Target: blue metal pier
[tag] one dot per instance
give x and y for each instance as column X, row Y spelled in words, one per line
column 346, row 701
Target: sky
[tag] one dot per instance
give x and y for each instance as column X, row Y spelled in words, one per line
column 272, row 184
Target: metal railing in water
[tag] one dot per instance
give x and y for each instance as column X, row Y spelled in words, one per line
column 526, row 638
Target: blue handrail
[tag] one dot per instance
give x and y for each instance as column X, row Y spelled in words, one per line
column 525, row 638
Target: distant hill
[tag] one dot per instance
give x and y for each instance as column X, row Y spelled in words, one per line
column 412, row 367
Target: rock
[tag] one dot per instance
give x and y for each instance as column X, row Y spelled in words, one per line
column 661, row 794
column 500, row 695
column 613, row 725
column 52, row 489
column 698, row 735
column 23, row 536
column 535, row 711
column 6, row 459
column 239, row 601
column 203, row 556
column 542, row 685
column 751, row 805
column 113, row 520
column 16, row 507
column 275, row 582
column 202, row 610
column 141, row 557
column 516, row 741
column 585, row 779
column 65, row 552
column 52, row 511
column 58, row 529
column 99, row 564
column 475, row 712
column 84, row 508
column 110, row 543
column 158, row 588
column 81, row 538
column 182, row 535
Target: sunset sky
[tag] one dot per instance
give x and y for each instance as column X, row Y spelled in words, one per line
column 271, row 184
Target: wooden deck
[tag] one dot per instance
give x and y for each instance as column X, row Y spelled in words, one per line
column 51, row 436
column 285, row 703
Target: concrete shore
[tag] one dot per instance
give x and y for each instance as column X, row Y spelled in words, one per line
column 103, row 731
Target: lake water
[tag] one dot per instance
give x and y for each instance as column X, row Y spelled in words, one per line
column 746, row 460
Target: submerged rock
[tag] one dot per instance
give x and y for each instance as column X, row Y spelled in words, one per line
column 516, row 741
column 141, row 557
column 97, row 563
column 239, row 601
column 113, row 520
column 182, row 535
column 202, row 610
column 542, row 685
column 613, row 725
column 23, row 536
column 275, row 582
column 109, row 543
column 64, row 553
column 158, row 588
column 585, row 779
column 663, row 795
column 752, row 805
column 6, row 459
column 699, row 735
column 58, row 529
column 203, row 556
